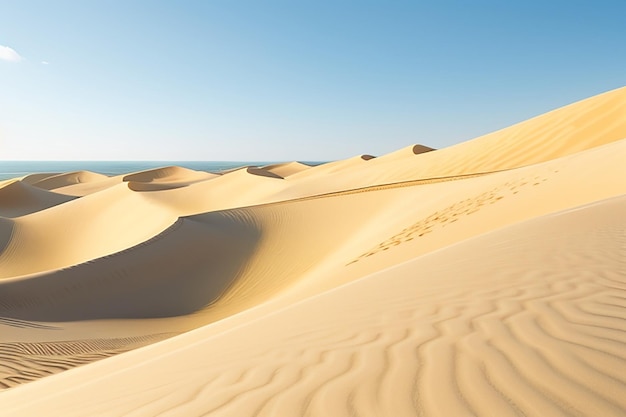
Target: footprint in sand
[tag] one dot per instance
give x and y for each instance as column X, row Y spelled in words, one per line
column 451, row 214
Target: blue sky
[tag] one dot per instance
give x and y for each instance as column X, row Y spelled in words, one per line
column 290, row 80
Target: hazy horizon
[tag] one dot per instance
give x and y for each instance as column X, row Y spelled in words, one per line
column 16, row 169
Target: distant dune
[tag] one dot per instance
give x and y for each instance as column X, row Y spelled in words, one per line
column 286, row 169
column 18, row 198
column 486, row 279
column 61, row 180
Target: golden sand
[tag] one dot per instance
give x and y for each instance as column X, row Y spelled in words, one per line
column 487, row 279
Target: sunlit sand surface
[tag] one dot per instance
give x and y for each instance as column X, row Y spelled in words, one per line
column 486, row 279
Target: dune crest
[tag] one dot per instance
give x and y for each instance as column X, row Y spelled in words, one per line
column 286, row 169
column 33, row 178
column 19, row 198
column 589, row 123
column 335, row 166
column 167, row 174
column 70, row 178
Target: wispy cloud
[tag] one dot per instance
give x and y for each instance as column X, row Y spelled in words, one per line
column 44, row 62
column 9, row 54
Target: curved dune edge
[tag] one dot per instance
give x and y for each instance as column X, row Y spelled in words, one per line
column 157, row 179
column 286, row 169
column 87, row 188
column 70, row 178
column 406, row 152
column 149, row 280
column 167, row 174
column 18, row 198
column 166, row 178
column 6, row 232
column 81, row 230
column 33, row 178
column 333, row 167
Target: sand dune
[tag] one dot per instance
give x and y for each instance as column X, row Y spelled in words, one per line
column 153, row 272
column 286, row 169
column 157, row 179
column 19, row 198
column 241, row 187
column 86, row 188
column 62, row 180
column 81, row 230
column 487, row 278
column 168, row 175
column 406, row 152
column 333, row 167
column 516, row 337
column 6, row 232
column 33, row 178
column 583, row 125
column 165, row 178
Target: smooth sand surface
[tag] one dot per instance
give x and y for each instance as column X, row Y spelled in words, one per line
column 18, row 198
column 61, row 180
column 487, row 279
column 286, row 169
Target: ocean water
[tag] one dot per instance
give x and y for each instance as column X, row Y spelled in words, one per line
column 13, row 169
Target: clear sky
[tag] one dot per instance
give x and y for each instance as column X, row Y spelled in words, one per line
column 290, row 80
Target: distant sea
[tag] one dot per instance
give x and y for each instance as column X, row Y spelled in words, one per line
column 13, row 169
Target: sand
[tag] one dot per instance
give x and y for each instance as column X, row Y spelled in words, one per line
column 487, row 279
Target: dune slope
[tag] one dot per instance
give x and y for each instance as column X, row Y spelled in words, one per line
column 574, row 128
column 450, row 333
column 70, row 178
column 19, row 198
column 483, row 279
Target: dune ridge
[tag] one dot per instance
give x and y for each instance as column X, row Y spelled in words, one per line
column 70, row 178
column 286, row 169
column 487, row 278
column 574, row 128
column 18, row 199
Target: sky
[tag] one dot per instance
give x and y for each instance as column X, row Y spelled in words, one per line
column 269, row 80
